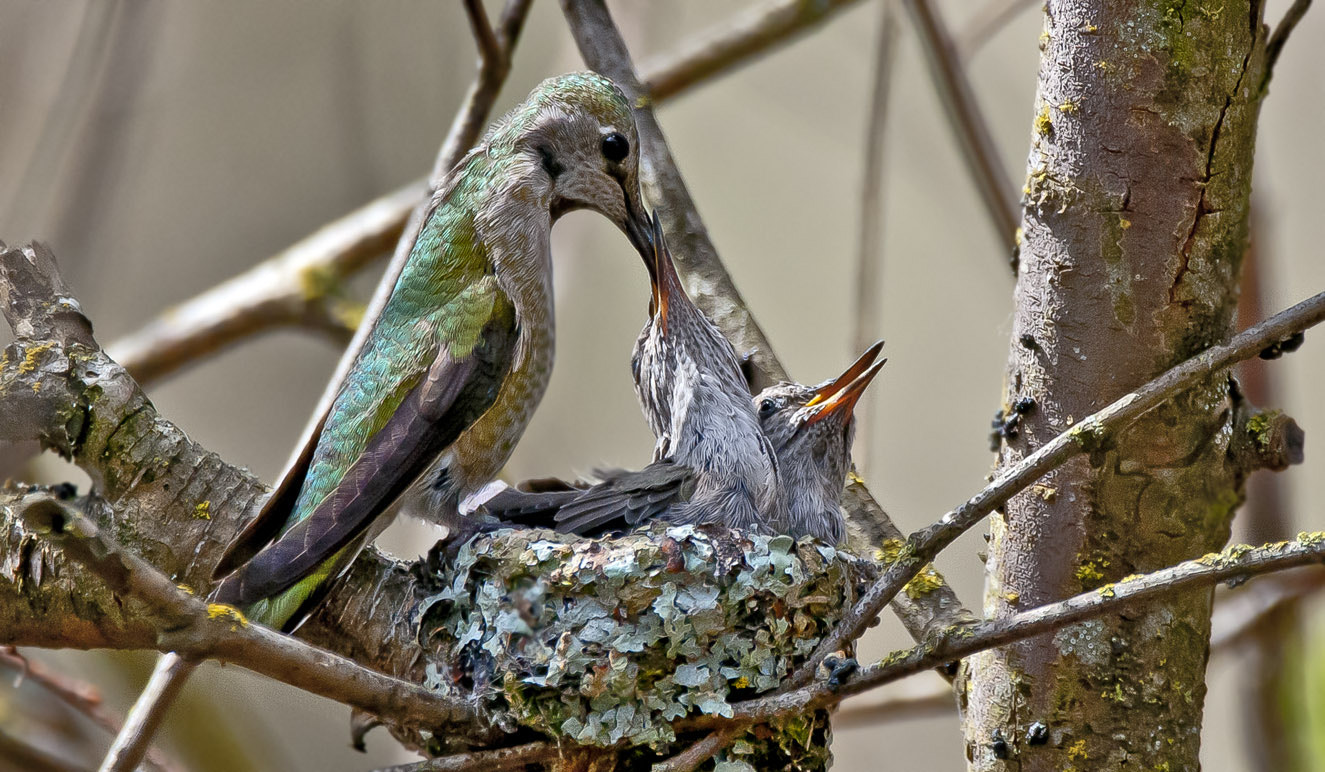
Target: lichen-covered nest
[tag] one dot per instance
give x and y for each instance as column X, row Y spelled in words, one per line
column 610, row 640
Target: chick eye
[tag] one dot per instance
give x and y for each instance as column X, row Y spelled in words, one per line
column 767, row 408
column 615, row 147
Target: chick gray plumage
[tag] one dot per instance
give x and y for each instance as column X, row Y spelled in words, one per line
column 812, row 429
column 809, row 427
column 690, row 386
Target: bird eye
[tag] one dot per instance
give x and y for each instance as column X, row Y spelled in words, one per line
column 615, row 147
column 767, row 408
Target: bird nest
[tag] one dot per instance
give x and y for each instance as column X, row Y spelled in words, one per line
column 610, row 642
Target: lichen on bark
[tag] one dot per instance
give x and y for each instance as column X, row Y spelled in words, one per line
column 1134, row 227
column 603, row 642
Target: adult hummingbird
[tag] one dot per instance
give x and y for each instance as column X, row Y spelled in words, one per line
column 693, row 392
column 460, row 356
column 811, row 429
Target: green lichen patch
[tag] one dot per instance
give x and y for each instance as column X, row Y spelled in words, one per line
column 1261, row 428
column 610, row 640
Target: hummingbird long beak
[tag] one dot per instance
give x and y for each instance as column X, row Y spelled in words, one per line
column 843, row 401
column 639, row 230
column 829, row 388
column 662, row 274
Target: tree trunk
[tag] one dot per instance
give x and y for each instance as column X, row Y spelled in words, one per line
column 1135, row 223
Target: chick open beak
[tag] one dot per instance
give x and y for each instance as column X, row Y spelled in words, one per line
column 829, row 388
column 843, row 401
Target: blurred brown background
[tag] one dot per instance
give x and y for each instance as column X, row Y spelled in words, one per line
column 163, row 147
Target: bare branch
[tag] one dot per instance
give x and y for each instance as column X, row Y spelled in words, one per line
column 985, row 24
column 869, row 256
column 969, row 124
column 495, row 50
column 194, row 628
column 489, row 50
column 31, row 758
column 516, row 757
column 1279, row 38
column 134, row 740
column 297, row 286
column 1237, row 616
column 700, row 752
column 82, row 697
column 736, row 43
column 1091, row 433
column 1237, row 562
column 934, row 699
column 268, row 297
column 708, row 282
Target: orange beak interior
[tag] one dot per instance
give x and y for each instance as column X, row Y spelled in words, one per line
column 840, row 382
column 844, row 400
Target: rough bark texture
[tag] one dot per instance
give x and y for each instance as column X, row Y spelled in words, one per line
column 1135, row 223
column 598, row 642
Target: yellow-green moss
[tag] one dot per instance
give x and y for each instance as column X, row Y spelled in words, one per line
column 203, row 510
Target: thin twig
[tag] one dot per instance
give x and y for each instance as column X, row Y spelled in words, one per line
column 736, row 42
column 985, row 23
column 191, row 627
column 1090, row 433
column 496, row 760
column 869, row 256
column 1238, row 563
column 710, row 285
column 298, row 285
column 134, row 740
column 200, row 326
column 1235, row 619
column 30, row 758
column 82, row 697
column 690, row 758
column 1275, row 46
column 496, row 48
column 1238, row 618
column 969, row 124
column 489, row 50
column 935, row 699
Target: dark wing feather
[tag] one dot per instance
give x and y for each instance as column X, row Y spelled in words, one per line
column 276, row 508
column 530, row 509
column 453, row 394
column 626, row 500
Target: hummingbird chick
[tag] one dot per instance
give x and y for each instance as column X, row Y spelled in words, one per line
column 693, row 392
column 810, row 428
